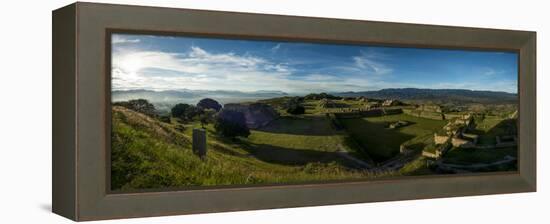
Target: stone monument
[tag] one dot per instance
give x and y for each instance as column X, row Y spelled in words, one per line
column 199, row 142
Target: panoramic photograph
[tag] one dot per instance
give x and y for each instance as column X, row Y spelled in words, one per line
column 193, row 111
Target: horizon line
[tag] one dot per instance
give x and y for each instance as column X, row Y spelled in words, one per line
column 227, row 90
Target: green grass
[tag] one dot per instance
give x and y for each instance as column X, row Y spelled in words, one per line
column 148, row 154
column 488, row 129
column 298, row 140
column 382, row 143
column 416, row 167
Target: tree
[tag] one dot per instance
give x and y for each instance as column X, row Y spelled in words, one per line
column 184, row 111
column 140, row 105
column 294, row 106
column 207, row 116
column 208, row 103
column 231, row 124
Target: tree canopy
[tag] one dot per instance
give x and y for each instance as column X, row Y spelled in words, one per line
column 208, row 103
column 139, row 105
column 184, row 111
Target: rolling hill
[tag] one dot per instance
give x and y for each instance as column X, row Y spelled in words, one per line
column 149, row 154
column 193, row 96
column 438, row 95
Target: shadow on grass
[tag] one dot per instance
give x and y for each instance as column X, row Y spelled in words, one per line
column 300, row 125
column 378, row 141
column 288, row 156
column 505, row 127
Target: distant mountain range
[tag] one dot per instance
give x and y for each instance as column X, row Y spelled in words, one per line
column 193, row 96
column 437, row 95
column 170, row 97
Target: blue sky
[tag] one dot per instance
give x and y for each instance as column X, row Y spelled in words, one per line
column 171, row 63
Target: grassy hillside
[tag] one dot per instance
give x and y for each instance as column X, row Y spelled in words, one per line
column 147, row 153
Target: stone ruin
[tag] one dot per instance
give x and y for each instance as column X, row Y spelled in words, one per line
column 389, row 103
column 257, row 115
column 372, row 105
column 455, row 132
column 327, row 103
column 430, row 111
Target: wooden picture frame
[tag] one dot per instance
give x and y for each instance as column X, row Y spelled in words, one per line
column 81, row 110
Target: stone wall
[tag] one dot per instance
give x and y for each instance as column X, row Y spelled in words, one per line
column 462, row 143
column 368, row 113
column 440, row 139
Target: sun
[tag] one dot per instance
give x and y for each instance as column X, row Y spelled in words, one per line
column 130, row 63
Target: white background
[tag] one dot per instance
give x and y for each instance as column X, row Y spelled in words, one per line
column 25, row 107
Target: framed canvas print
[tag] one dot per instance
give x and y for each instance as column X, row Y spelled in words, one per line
column 202, row 111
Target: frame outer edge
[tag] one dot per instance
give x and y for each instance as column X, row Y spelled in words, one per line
column 93, row 203
column 64, row 187
column 528, row 89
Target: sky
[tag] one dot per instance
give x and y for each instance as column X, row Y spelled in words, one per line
column 175, row 63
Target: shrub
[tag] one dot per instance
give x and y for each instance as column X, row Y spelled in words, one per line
column 140, row 105
column 184, row 111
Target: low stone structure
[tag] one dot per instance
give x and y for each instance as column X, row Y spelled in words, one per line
column 441, row 139
column 436, row 151
column 199, row 142
column 471, row 137
column 389, row 103
column 430, row 107
column 426, row 111
column 460, row 125
column 453, row 134
column 348, row 113
column 257, row 115
column 462, row 143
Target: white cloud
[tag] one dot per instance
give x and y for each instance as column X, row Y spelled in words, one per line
column 369, row 63
column 196, row 69
column 276, row 48
column 116, row 39
column 320, row 77
column 488, row 71
column 203, row 70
